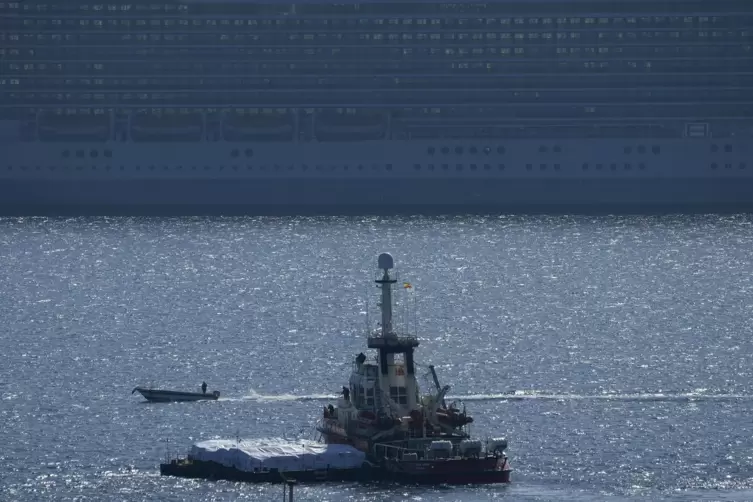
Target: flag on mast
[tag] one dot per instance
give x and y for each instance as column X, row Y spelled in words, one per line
column 407, row 285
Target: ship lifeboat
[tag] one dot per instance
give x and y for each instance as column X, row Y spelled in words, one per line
column 54, row 127
column 363, row 125
column 177, row 127
column 259, row 127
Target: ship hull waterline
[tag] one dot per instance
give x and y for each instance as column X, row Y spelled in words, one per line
column 450, row 196
column 372, row 474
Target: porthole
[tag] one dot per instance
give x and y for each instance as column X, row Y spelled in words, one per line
column 234, row 153
column 459, row 167
column 445, row 150
column 417, row 167
column 459, row 150
column 249, row 152
column 542, row 149
column 473, row 150
column 388, row 167
column 728, row 148
column 585, row 167
column 94, row 154
column 641, row 166
column 529, row 167
column 557, row 167
column 474, row 167
column 108, row 153
column 656, row 149
column 714, row 165
column 501, row 150
column 613, row 167
column 641, row 149
column 431, row 150
column 542, row 167
column 66, row 154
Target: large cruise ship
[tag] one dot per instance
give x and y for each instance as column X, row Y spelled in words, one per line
column 196, row 106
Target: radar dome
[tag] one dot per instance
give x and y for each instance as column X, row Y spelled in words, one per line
column 386, row 262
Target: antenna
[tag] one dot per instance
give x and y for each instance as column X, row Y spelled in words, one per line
column 386, row 262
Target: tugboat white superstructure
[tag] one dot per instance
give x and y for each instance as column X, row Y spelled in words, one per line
column 409, row 437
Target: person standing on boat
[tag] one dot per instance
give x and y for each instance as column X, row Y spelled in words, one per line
column 203, row 387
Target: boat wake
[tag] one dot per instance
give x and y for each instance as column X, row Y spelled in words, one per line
column 524, row 395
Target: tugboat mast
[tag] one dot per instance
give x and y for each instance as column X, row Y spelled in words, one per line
column 397, row 381
column 386, row 263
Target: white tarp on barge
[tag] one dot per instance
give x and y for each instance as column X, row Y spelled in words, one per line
column 257, row 454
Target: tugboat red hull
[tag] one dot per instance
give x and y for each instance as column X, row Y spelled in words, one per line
column 449, row 471
column 451, row 478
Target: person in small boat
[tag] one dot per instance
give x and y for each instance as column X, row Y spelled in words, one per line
column 203, row 387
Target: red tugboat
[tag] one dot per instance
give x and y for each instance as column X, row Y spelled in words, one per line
column 406, row 436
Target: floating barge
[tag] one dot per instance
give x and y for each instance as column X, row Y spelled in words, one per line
column 270, row 461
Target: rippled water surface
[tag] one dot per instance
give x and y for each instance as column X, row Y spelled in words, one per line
column 627, row 339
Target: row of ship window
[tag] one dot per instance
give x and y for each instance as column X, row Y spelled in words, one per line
column 363, row 22
column 374, row 167
column 650, row 10
column 465, row 65
column 584, row 96
column 323, row 60
column 501, row 150
column 371, row 39
column 459, row 150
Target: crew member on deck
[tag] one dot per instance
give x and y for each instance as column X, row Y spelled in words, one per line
column 346, row 393
column 203, row 387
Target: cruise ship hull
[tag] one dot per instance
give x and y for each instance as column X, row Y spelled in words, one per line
column 372, row 196
column 378, row 177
